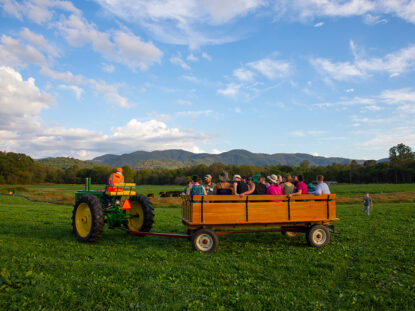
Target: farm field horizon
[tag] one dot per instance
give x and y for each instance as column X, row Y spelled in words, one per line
column 368, row 265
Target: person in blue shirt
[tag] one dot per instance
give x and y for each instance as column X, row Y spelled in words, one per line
column 322, row 187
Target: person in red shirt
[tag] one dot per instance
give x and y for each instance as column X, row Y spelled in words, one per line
column 301, row 187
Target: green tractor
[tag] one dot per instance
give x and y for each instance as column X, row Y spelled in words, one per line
column 118, row 206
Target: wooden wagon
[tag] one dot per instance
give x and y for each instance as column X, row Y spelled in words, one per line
column 208, row 216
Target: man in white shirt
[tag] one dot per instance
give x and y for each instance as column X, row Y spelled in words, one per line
column 321, row 187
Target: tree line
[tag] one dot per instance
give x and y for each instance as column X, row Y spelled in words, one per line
column 17, row 168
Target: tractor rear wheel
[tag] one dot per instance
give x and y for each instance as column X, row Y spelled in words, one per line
column 142, row 212
column 88, row 219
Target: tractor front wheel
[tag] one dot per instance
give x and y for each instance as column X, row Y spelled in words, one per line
column 88, row 219
column 141, row 214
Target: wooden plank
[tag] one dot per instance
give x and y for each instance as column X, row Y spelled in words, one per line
column 306, row 197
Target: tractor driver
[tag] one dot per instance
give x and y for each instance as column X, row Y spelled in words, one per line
column 115, row 178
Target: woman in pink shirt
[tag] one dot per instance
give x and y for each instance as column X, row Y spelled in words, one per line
column 274, row 188
column 301, row 187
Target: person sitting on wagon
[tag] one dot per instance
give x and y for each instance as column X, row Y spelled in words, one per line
column 209, row 185
column 322, row 187
column 260, row 186
column 274, row 188
column 287, row 186
column 251, row 187
column 301, row 187
column 196, row 188
column 223, row 187
column 239, row 186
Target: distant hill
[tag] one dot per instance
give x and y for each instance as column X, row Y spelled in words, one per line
column 179, row 158
column 64, row 163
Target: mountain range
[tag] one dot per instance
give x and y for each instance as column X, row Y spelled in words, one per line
column 175, row 158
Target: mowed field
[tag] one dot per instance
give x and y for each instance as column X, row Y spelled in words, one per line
column 369, row 265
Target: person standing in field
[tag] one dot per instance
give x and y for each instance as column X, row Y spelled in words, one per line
column 367, row 202
column 322, row 187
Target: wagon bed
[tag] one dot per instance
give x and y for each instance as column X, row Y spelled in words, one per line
column 227, row 211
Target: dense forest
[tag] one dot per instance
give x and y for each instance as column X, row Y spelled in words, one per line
column 16, row 168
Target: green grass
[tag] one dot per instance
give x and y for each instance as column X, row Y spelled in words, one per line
column 370, row 265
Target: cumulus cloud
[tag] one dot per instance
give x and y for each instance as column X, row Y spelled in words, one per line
column 20, row 97
column 22, row 130
column 319, row 24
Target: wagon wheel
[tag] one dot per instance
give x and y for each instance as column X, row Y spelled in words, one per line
column 205, row 240
column 88, row 219
column 142, row 213
column 318, row 236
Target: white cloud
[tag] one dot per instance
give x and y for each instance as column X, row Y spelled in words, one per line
column 338, row 71
column 109, row 91
column 231, row 89
column 14, row 53
column 351, row 90
column 206, row 56
column 297, row 133
column 37, row 11
column 76, row 89
column 120, row 46
column 319, row 24
column 192, row 58
column 40, row 42
column 22, row 130
column 373, row 19
column 184, row 102
column 178, row 22
column 305, row 10
column 108, row 68
column 271, row 68
column 395, row 63
column 20, row 97
column 243, row 74
column 177, row 60
column 194, row 114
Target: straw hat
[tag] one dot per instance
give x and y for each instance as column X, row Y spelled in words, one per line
column 273, row 178
column 224, row 176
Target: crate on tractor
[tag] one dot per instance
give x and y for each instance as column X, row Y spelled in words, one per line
column 118, row 206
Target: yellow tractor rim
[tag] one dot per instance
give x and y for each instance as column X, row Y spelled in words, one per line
column 136, row 210
column 83, row 220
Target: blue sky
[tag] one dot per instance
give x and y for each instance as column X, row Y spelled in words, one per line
column 333, row 78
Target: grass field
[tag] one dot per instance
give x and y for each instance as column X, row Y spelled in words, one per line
column 370, row 265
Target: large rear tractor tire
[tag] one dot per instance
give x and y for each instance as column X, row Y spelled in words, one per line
column 143, row 212
column 88, row 219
